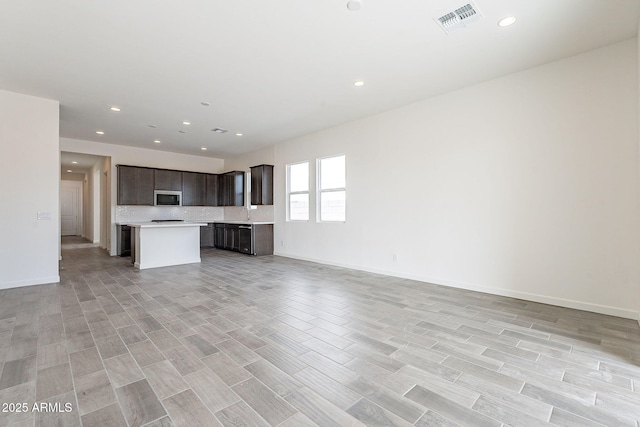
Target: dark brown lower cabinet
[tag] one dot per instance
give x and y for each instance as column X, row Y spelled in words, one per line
column 226, row 236
column 206, row 236
column 251, row 239
column 262, row 239
column 218, row 237
column 124, row 240
column 231, row 238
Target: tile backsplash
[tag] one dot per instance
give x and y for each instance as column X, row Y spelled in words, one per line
column 188, row 213
column 239, row 213
column 126, row 214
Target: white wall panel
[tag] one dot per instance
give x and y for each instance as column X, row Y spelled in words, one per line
column 30, row 175
column 526, row 186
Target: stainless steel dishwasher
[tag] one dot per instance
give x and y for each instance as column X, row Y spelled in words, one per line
column 245, row 239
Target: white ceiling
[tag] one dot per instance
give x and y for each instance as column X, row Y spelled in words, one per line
column 83, row 162
column 272, row 70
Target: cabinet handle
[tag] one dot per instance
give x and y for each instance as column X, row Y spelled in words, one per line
column 245, row 226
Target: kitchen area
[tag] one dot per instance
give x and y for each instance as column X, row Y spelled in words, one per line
column 164, row 217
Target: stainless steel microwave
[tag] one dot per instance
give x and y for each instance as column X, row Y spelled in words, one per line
column 167, row 198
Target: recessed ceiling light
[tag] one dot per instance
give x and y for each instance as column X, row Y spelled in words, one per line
column 205, row 103
column 74, row 162
column 157, row 141
column 358, row 83
column 68, row 170
column 238, row 134
column 153, row 126
column 203, row 148
column 354, row 5
column 186, row 123
column 506, row 21
column 100, row 132
column 115, row 109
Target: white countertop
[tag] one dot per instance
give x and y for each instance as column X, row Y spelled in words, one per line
column 165, row 224
column 248, row 222
column 192, row 223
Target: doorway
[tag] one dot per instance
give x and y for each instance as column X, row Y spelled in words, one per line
column 83, row 200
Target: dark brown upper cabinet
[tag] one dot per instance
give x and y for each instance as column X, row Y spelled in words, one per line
column 194, row 189
column 231, row 189
column 135, row 185
column 213, row 188
column 262, row 185
column 168, row 180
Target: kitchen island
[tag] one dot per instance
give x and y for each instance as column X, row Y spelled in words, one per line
column 161, row 244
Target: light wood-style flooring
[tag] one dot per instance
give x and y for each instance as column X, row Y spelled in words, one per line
column 270, row 341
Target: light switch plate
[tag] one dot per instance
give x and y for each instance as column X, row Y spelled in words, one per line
column 44, row 216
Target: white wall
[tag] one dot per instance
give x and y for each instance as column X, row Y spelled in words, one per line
column 123, row 155
column 106, row 208
column 30, row 173
column 72, row 176
column 243, row 162
column 93, row 201
column 524, row 186
column 94, row 205
column 86, row 211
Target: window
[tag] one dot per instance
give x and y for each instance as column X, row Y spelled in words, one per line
column 298, row 191
column 332, row 189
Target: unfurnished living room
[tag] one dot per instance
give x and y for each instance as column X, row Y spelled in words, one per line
column 329, row 213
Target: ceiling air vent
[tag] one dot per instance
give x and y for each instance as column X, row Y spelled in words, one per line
column 219, row 130
column 459, row 18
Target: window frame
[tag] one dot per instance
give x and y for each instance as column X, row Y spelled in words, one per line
column 320, row 191
column 290, row 193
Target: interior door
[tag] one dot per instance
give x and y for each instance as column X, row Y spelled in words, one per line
column 69, row 211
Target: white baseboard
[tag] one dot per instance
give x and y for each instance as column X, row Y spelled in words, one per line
column 30, row 282
column 544, row 299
